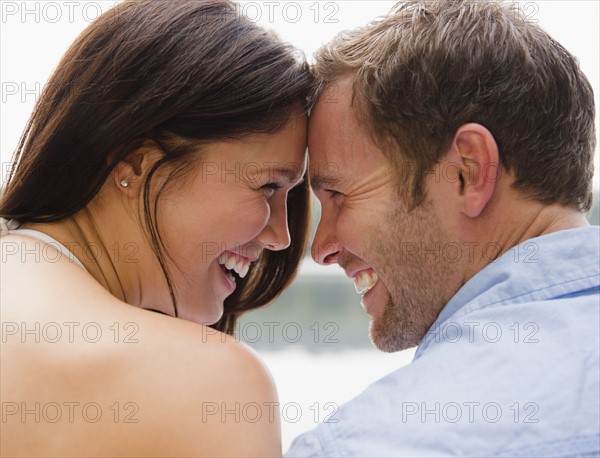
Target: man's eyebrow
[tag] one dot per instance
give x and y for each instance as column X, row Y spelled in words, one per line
column 323, row 181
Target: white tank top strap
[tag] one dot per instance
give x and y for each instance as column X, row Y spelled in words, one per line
column 12, row 227
column 7, row 225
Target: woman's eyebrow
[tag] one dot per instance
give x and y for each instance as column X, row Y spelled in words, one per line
column 290, row 174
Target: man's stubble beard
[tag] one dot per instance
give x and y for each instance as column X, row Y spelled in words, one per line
column 418, row 286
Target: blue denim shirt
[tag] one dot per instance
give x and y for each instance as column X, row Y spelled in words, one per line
column 510, row 367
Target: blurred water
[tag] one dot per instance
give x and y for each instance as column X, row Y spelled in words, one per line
column 313, row 385
column 319, row 312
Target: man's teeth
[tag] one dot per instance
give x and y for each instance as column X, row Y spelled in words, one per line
column 365, row 280
column 232, row 262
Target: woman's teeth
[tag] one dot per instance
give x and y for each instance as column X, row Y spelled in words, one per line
column 365, row 281
column 232, row 262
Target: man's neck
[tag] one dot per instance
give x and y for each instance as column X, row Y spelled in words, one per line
column 541, row 220
column 519, row 223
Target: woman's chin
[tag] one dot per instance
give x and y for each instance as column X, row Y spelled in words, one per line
column 207, row 315
column 209, row 319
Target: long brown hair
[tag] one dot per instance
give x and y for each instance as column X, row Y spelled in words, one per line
column 177, row 73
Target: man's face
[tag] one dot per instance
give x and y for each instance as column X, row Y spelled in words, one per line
column 366, row 228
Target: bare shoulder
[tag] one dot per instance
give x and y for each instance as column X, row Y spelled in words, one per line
column 222, row 389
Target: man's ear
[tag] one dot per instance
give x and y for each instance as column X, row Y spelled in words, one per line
column 475, row 152
column 128, row 175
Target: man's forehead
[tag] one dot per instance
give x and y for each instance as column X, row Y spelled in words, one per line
column 331, row 122
column 326, row 121
column 337, row 141
column 334, row 105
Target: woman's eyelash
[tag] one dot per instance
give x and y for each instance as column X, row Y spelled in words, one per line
column 274, row 186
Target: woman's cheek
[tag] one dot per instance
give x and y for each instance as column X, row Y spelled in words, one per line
column 250, row 219
column 239, row 219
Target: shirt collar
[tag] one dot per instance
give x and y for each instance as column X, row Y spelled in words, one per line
column 541, row 268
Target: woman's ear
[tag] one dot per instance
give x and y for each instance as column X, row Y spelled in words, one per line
column 475, row 152
column 129, row 174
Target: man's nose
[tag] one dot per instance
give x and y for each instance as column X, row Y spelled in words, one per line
column 326, row 248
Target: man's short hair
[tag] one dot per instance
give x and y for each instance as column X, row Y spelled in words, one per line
column 431, row 66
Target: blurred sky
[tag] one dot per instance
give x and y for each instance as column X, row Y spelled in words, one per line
column 35, row 34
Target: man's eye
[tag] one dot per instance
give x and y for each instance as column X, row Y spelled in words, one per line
column 333, row 193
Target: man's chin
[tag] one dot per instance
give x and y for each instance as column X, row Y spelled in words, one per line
column 389, row 333
column 386, row 342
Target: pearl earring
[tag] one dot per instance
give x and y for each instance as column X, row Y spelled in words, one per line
column 124, row 183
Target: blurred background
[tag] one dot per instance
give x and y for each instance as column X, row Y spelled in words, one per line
column 315, row 337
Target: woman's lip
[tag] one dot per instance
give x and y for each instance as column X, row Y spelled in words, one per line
column 246, row 258
column 229, row 285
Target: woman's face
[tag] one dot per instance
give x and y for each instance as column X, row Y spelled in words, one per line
column 229, row 208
